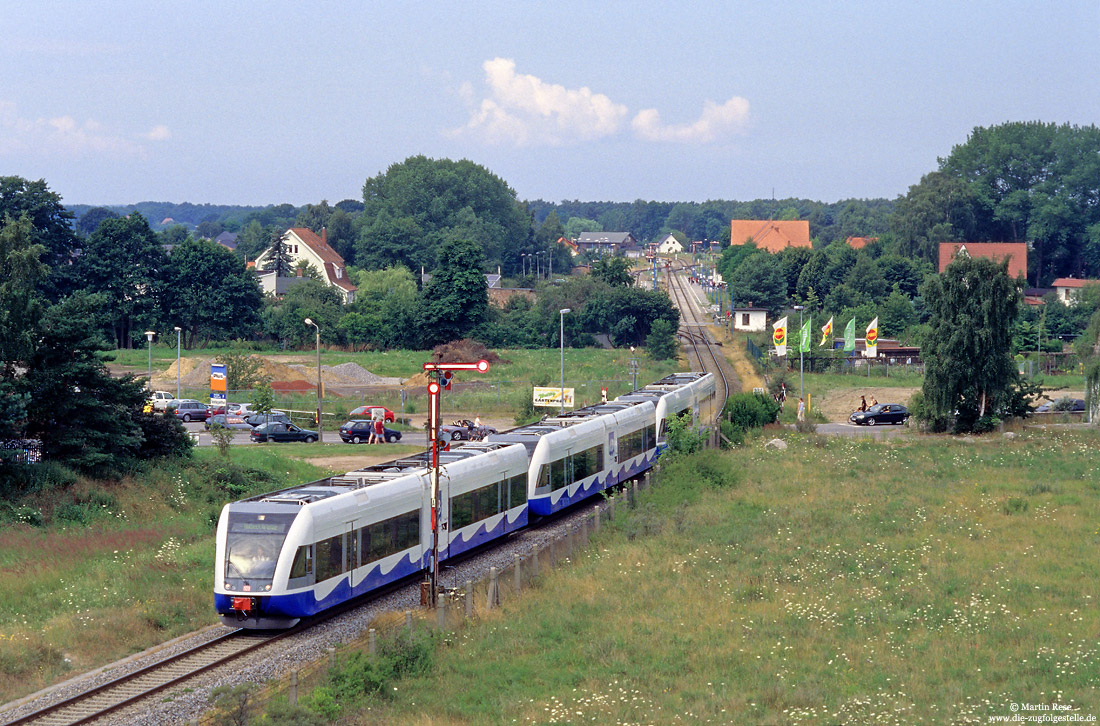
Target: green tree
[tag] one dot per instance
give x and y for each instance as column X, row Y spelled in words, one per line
column 243, row 370
column 576, row 226
column 456, row 299
column 210, row 293
column 759, row 281
column 51, row 224
column 21, row 273
column 280, row 260
column 385, row 309
column 284, row 319
column 89, row 221
column 615, row 271
column 123, row 262
column 661, row 341
column 967, row 353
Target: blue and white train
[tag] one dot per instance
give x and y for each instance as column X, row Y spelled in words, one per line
column 294, row 553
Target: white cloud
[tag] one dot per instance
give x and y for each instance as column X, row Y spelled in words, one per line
column 715, row 123
column 159, row 132
column 66, row 136
column 522, row 110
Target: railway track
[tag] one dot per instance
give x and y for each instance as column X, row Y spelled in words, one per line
column 133, row 687
column 693, row 332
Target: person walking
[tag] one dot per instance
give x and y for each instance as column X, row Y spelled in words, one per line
column 801, row 410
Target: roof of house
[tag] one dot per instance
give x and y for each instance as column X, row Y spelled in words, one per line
column 771, row 235
column 227, row 239
column 330, row 258
column 1016, row 252
column 1073, row 282
column 857, row 243
column 605, row 239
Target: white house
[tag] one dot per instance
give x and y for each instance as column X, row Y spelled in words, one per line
column 669, row 245
column 1068, row 289
column 303, row 245
column 750, row 320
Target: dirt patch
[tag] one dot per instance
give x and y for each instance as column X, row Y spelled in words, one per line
column 351, row 462
column 838, row 405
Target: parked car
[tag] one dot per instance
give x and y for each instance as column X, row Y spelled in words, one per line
column 241, row 409
column 278, row 431
column 1064, row 405
column 365, row 412
column 191, row 411
column 881, row 413
column 161, row 399
column 227, row 421
column 358, row 431
column 464, row 430
column 274, row 416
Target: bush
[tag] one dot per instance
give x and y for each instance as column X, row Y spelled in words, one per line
column 163, row 436
column 682, row 438
column 751, row 410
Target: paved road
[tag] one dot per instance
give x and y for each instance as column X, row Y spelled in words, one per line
column 241, row 437
column 849, row 429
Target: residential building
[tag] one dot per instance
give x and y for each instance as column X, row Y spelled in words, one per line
column 607, row 243
column 1068, row 289
column 1014, row 252
column 303, row 245
column 227, row 240
column 669, row 245
column 771, row 235
column 858, row 243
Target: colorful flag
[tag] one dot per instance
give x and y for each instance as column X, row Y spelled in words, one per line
column 804, row 336
column 850, row 336
column 826, row 331
column 872, row 339
column 779, row 336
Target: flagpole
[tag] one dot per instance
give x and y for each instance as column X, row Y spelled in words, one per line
column 801, row 332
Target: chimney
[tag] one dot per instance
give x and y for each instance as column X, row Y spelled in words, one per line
column 324, row 236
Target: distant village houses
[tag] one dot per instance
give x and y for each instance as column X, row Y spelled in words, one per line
column 669, row 245
column 1014, row 252
column 608, row 243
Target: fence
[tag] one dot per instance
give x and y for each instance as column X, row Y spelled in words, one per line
column 21, row 451
column 461, row 601
column 883, row 366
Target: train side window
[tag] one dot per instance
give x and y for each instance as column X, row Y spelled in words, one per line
column 330, row 557
column 517, row 486
column 557, row 474
column 408, row 530
column 303, row 562
column 542, row 484
column 462, row 510
column 599, row 457
column 353, row 549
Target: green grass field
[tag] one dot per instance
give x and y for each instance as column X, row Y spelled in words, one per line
column 920, row 581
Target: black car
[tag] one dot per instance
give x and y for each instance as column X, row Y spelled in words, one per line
column 1063, row 405
column 464, row 430
column 358, row 431
column 881, row 413
column 273, row 417
column 277, row 431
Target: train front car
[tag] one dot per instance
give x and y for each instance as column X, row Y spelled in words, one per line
column 292, row 554
column 250, row 544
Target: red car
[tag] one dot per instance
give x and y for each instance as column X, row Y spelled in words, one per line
column 365, row 411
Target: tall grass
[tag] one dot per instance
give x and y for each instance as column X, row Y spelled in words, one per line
column 841, row 581
column 120, row 566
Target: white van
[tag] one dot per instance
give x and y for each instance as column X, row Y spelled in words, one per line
column 160, row 399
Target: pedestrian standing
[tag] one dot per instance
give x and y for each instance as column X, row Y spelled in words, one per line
column 862, row 403
column 801, row 410
column 379, row 432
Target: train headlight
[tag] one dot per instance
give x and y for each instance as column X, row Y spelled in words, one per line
column 267, row 587
column 227, row 586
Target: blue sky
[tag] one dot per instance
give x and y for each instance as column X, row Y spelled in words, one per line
column 263, row 103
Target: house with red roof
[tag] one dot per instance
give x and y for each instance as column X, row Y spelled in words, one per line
column 858, row 243
column 303, row 245
column 1014, row 252
column 771, row 235
column 1068, row 289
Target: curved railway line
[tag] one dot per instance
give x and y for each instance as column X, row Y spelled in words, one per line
column 693, row 332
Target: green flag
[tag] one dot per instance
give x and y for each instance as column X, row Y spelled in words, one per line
column 804, row 337
column 850, row 336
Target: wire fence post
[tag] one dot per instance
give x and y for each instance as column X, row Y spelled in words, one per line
column 493, row 598
column 518, row 575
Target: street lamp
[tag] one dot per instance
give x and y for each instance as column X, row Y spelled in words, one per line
column 562, row 313
column 178, row 330
column 801, row 387
column 320, row 428
column 149, row 336
column 538, row 264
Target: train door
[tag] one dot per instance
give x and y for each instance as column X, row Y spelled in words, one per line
column 351, row 552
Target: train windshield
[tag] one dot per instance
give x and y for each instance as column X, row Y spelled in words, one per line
column 253, row 543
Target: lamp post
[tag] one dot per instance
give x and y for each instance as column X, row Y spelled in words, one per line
column 562, row 313
column 523, row 262
column 178, row 331
column 538, row 265
column 149, row 336
column 320, row 428
column 801, row 387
